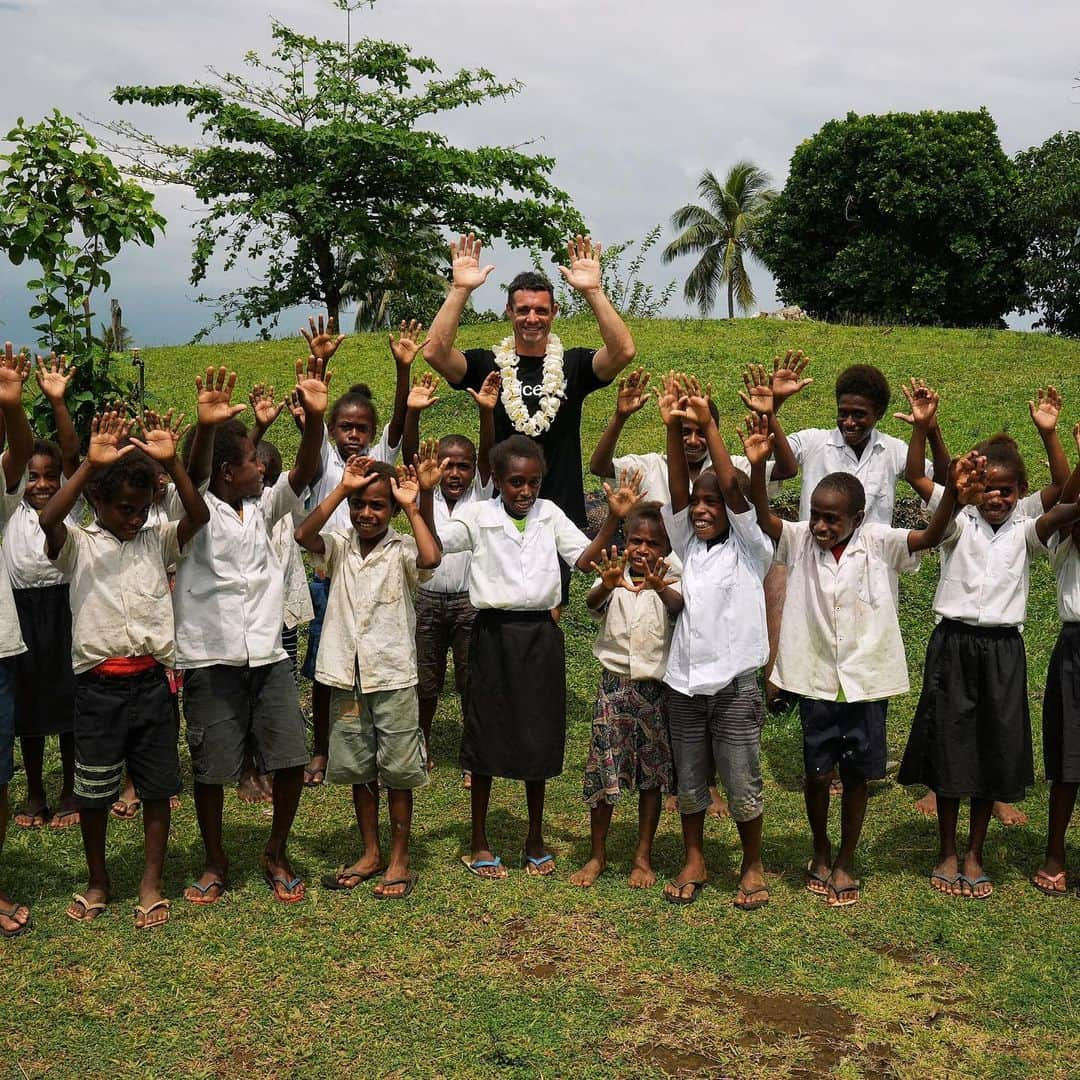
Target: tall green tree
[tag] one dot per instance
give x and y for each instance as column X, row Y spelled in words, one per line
column 1049, row 209
column 904, row 217
column 321, row 165
column 724, row 232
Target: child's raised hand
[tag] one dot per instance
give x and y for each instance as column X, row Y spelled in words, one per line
column 429, row 469
column 266, row 409
column 487, row 397
column 633, row 393
column 1045, row 409
column 405, row 486
column 296, row 408
column 14, row 371
column 757, row 440
column 407, row 346
column 54, row 375
column 213, row 398
column 321, row 342
column 787, row 376
column 423, row 394
column 609, row 568
column 694, row 402
column 357, row 473
column 758, row 393
column 313, row 386
column 923, row 401
column 628, row 494
column 968, row 475
column 667, row 397
column 107, row 432
column 161, row 435
column 656, row 576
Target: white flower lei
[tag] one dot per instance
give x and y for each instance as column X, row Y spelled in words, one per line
column 552, row 388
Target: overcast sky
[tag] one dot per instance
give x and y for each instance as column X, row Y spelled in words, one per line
column 633, row 97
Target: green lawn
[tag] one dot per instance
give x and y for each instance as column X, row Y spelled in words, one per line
column 534, row 978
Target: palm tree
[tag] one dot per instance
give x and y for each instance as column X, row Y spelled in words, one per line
column 724, row 231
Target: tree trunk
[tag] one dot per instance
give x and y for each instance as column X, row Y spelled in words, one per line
column 730, row 297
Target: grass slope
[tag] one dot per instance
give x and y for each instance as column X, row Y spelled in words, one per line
column 534, row 978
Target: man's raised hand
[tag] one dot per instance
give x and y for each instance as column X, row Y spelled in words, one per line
column 583, row 273
column 321, row 342
column 757, row 440
column 313, row 386
column 487, row 397
column 609, row 568
column 633, row 393
column 465, row 261
column 787, row 376
column 107, row 432
column 214, row 397
column 54, row 375
column 161, row 435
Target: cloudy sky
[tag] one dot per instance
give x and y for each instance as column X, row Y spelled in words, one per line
column 633, row 97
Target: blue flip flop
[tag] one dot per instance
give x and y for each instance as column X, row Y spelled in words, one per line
column 536, row 861
column 474, row 866
column 982, row 879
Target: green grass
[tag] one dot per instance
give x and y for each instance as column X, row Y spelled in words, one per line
column 527, row 978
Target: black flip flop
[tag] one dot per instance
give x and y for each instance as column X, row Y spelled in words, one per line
column 408, row 882
column 683, row 901
column 334, row 883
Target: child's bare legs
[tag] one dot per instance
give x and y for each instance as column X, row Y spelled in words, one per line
column 209, row 808
column 21, row 915
column 973, row 868
column 1051, row 875
column 816, row 796
column 693, row 830
column 288, row 786
column 35, row 811
column 852, row 814
column 366, row 807
column 751, row 872
column 315, row 770
column 397, row 870
column 599, row 823
column 427, row 708
column 927, row 805
column 480, row 850
column 642, row 875
column 156, row 814
column 535, row 848
column 948, row 867
column 94, row 824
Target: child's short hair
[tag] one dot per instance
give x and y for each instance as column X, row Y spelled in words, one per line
column 1001, row 450
column 517, row 446
column 384, row 471
column 650, row 513
column 47, row 448
column 134, row 469
column 530, row 281
column 866, row 381
column 229, row 439
column 359, row 394
column 457, row 442
column 847, row 485
column 267, row 454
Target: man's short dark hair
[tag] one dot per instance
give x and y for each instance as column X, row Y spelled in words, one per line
column 530, row 281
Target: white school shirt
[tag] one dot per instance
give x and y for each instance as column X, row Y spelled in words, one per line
column 654, row 473
column 333, row 468
column 24, row 547
column 984, row 574
column 296, row 601
column 120, row 603
column 511, row 570
column 370, row 622
column 720, row 632
column 841, row 629
column 635, row 632
column 1065, row 560
column 820, row 451
column 11, row 642
column 452, row 574
column 230, row 584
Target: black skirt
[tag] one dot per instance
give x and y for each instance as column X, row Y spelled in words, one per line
column 971, row 735
column 44, row 681
column 515, row 714
column 1061, row 709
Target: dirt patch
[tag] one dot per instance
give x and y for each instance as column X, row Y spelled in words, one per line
column 794, row 1014
column 544, row 947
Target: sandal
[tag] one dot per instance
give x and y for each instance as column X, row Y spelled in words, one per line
column 408, row 881
column 142, row 914
column 748, row 902
column 532, row 863
column 335, row 883
column 285, row 890
column 845, row 896
column 124, row 810
column 204, row 899
column 678, row 898
column 314, row 777
column 1045, row 884
column 90, row 911
column 64, row 819
column 815, row 883
column 20, row 928
column 26, row 818
column 982, row 879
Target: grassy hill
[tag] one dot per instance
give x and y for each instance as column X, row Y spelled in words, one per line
column 526, row 977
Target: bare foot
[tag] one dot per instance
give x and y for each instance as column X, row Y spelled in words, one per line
column 586, row 877
column 1008, row 814
column 253, row 788
column 836, row 787
column 642, row 875
column 927, row 805
column 718, row 805
column 945, row 877
column 466, row 780
column 671, row 804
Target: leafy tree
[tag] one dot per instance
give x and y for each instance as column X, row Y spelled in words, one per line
column 724, row 232
column 320, row 167
column 65, row 206
column 1050, row 212
column 901, row 217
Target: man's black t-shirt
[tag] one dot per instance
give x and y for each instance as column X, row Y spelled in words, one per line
column 562, row 441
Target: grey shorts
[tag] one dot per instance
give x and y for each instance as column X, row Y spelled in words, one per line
column 376, row 735
column 224, row 706
column 719, row 733
column 443, row 622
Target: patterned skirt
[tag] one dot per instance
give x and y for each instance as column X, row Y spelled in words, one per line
column 630, row 745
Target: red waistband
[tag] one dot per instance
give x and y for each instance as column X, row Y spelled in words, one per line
column 125, row 665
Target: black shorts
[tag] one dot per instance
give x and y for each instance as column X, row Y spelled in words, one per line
column 125, row 720
column 849, row 735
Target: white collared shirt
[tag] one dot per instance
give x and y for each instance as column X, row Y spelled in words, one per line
column 370, row 622
column 720, row 633
column 1065, row 559
column 120, row 603
column 11, row 642
column 820, row 451
column 296, row 602
column 984, row 574
column 841, row 630
column 635, row 632
column 452, row 574
column 230, row 584
column 511, row 570
column 654, row 473
column 24, row 547
column 333, row 468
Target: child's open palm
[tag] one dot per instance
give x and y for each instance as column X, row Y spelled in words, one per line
column 694, row 402
column 758, row 392
column 667, row 396
column 54, row 375
column 423, row 394
column 633, row 393
column 407, row 344
column 313, row 386
column 757, row 440
column 787, row 376
column 213, row 398
column 14, row 371
column 428, row 467
column 609, row 568
column 321, row 342
column 357, row 473
column 161, row 435
column 487, row 397
column 107, row 432
column 923, row 401
column 968, row 473
column 628, row 494
column 1046, row 408
column 405, row 486
column 264, row 405
column 656, row 576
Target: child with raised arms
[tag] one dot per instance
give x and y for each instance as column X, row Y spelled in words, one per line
column 635, row 599
column 368, row 654
column 238, row 685
column 515, row 718
column 122, row 641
